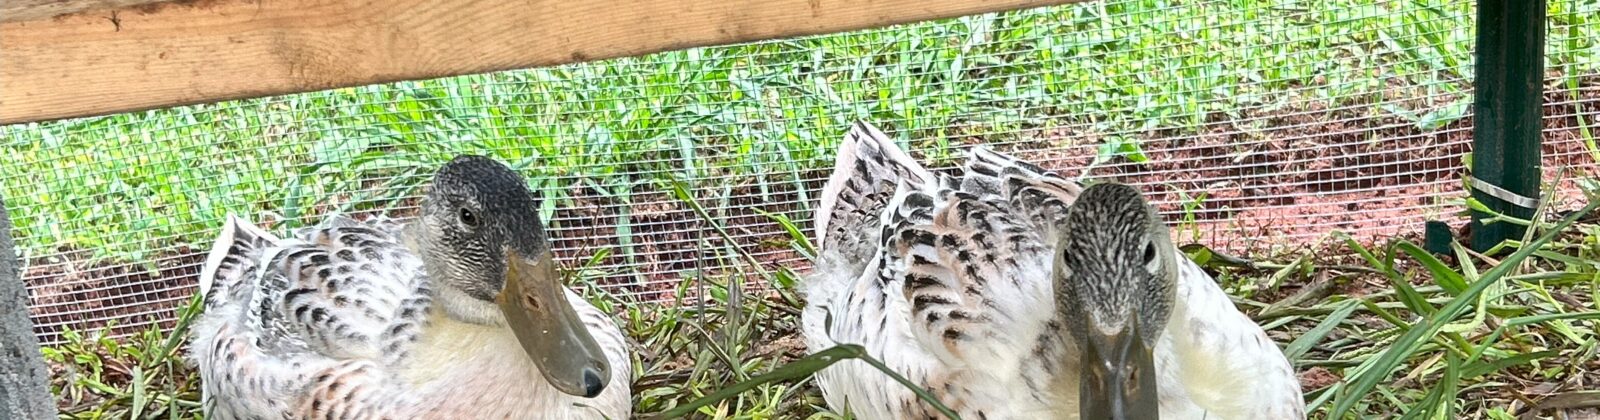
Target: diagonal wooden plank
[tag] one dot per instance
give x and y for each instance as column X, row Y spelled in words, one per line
column 167, row 54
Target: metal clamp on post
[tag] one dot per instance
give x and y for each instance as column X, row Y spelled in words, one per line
column 1495, row 191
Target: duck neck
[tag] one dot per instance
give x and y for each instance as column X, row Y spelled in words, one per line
column 459, row 306
column 464, row 369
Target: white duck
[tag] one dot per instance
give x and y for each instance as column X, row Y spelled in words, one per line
column 460, row 314
column 1009, row 292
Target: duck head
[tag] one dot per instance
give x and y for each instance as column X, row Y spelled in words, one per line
column 1115, row 268
column 481, row 240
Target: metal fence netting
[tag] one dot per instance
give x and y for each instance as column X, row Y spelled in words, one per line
column 1258, row 127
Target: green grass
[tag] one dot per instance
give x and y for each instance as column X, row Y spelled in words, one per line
column 121, row 186
column 134, row 187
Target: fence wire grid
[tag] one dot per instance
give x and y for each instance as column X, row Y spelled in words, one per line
column 1257, row 126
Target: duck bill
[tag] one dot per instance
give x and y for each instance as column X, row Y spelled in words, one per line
column 536, row 308
column 1119, row 380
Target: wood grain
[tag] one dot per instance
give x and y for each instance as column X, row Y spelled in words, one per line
column 196, row 51
column 19, row 10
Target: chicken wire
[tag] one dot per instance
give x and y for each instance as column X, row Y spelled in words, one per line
column 1363, row 132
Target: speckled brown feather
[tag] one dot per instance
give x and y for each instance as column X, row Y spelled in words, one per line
column 954, row 256
column 855, row 199
column 342, row 290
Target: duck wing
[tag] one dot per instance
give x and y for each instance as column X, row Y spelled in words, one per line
column 976, row 275
column 870, row 168
column 941, row 277
column 1227, row 365
column 306, row 325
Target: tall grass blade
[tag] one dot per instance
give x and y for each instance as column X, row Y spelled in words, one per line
column 1428, row 327
column 1408, row 294
column 801, row 368
column 1301, row 345
column 794, row 231
column 1447, row 278
column 139, row 399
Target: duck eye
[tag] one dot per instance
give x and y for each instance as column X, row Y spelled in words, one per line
column 467, row 218
column 1151, row 263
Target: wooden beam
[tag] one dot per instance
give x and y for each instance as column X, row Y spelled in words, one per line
column 20, row 10
column 195, row 51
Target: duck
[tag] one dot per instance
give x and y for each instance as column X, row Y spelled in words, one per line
column 1009, row 292
column 458, row 313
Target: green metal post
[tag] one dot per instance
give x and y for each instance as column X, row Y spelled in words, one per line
column 1507, row 114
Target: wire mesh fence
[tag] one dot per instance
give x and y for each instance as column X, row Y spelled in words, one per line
column 1257, row 126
